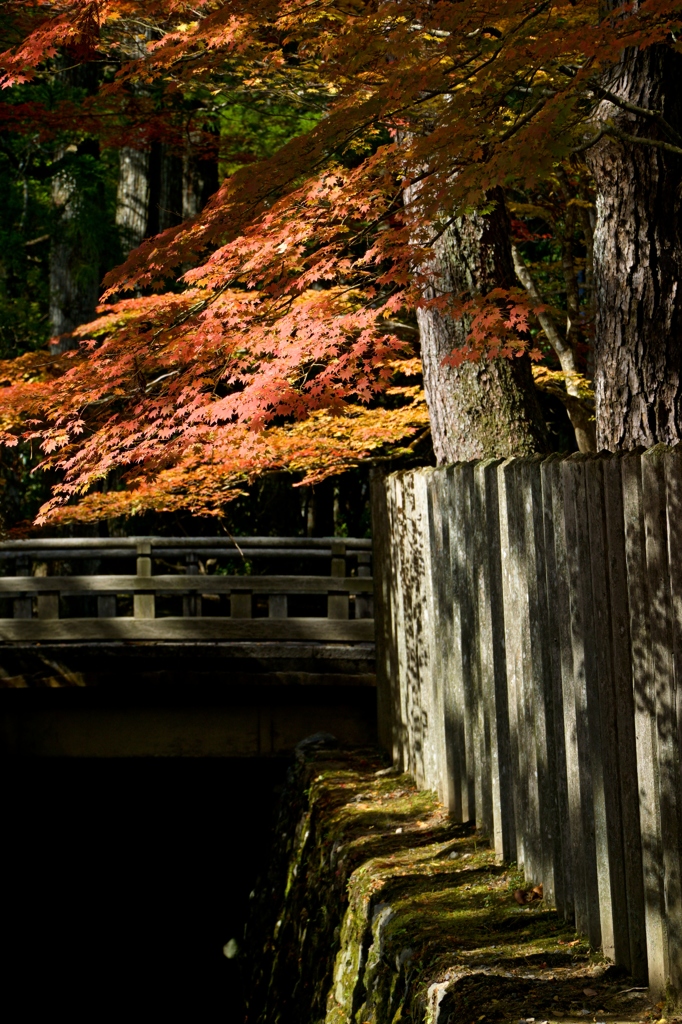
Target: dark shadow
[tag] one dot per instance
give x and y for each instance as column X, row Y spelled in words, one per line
column 124, row 879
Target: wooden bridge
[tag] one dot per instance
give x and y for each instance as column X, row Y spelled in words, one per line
column 211, row 646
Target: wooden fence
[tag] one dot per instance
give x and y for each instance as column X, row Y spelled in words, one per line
column 529, row 660
column 44, row 597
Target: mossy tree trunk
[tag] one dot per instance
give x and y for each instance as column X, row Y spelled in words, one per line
column 478, row 409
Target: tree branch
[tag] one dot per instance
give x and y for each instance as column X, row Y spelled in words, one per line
column 632, row 108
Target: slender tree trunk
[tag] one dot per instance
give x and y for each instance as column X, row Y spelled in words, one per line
column 199, row 181
column 638, row 258
column 132, row 200
column 74, row 288
column 487, row 408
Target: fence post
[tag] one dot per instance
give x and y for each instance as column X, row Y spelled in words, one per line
column 144, row 604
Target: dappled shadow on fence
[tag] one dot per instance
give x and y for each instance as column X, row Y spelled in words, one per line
column 529, row 631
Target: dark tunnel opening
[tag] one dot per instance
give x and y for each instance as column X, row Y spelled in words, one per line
column 123, row 881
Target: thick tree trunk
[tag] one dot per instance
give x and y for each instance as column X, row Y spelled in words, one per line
column 482, row 409
column 638, row 258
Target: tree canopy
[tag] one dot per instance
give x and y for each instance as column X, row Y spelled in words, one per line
column 274, row 328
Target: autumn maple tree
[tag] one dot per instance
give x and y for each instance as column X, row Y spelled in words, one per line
column 274, row 328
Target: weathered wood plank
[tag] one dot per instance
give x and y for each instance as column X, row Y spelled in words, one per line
column 459, row 697
column 439, row 512
column 385, row 655
column 667, row 750
column 603, row 732
column 673, row 475
column 177, row 628
column 561, row 666
column 645, row 720
column 539, row 669
column 625, row 717
column 492, row 667
column 10, row 585
column 99, row 544
column 577, row 689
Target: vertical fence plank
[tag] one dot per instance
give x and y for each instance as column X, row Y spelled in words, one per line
column 673, row 479
column 577, row 708
column 545, row 812
column 492, row 667
column 624, row 751
column 663, row 689
column 401, row 736
column 561, row 667
column 427, row 639
column 520, row 553
column 442, row 624
column 513, row 646
column 460, row 685
column 645, row 721
column 603, row 732
column 386, row 668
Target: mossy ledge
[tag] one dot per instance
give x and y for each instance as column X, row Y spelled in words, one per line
column 379, row 910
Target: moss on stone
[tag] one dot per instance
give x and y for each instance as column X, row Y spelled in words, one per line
column 386, row 912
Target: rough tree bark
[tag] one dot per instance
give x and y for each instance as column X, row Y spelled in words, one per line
column 638, row 256
column 478, row 409
column 74, row 287
column 132, row 199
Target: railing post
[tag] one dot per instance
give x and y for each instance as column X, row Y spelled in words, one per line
column 337, row 602
column 240, row 605
column 47, row 603
column 106, row 603
column 144, row 604
column 23, row 606
column 278, row 606
column 191, row 603
column 364, row 603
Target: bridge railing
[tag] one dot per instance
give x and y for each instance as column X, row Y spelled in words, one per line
column 59, row 589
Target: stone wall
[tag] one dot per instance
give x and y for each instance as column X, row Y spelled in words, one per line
column 529, row 632
column 379, row 909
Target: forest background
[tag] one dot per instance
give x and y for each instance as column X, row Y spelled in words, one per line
column 326, row 235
